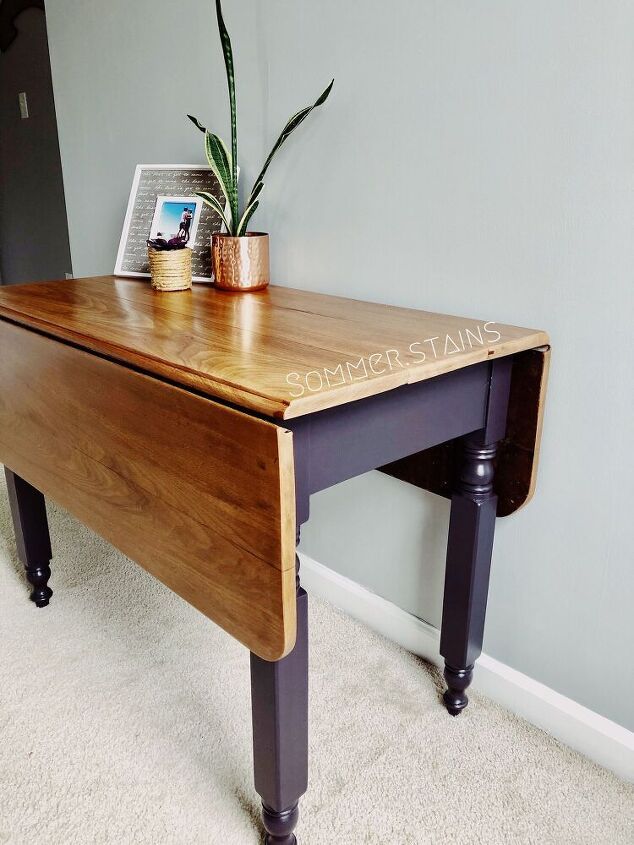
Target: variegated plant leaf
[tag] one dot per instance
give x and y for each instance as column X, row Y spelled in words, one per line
column 248, row 214
column 255, row 193
column 295, row 121
column 197, row 123
column 218, row 159
column 227, row 51
column 225, row 164
column 214, row 203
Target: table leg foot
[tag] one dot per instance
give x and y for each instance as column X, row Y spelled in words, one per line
column 28, row 511
column 279, row 826
column 38, row 575
column 458, row 680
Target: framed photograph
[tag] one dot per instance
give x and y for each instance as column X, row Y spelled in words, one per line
column 176, row 217
column 163, row 203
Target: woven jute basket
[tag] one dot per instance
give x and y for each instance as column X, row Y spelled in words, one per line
column 170, row 269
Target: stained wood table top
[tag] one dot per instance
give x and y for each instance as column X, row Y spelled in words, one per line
column 280, row 352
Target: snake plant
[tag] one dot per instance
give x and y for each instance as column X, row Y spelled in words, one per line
column 224, row 164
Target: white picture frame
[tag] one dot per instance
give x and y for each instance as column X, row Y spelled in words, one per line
column 166, row 181
column 160, row 228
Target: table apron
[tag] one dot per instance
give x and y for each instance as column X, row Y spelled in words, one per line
column 340, row 443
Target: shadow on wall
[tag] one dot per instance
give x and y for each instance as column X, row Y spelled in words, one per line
column 34, row 242
column 9, row 11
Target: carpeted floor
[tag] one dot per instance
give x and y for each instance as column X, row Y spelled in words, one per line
column 124, row 718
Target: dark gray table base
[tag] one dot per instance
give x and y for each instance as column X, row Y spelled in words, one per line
column 330, row 447
column 340, row 443
column 279, row 699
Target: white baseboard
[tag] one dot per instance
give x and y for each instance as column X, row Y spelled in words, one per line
column 596, row 737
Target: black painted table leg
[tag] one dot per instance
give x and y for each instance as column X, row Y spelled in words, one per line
column 470, row 544
column 31, row 534
column 469, row 549
column 279, row 697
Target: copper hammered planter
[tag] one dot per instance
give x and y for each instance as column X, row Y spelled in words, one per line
column 241, row 264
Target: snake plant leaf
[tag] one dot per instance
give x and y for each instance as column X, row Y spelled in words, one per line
column 214, row 203
column 250, row 209
column 197, row 123
column 224, row 164
column 295, row 121
column 255, row 193
column 225, row 40
column 220, row 163
column 248, row 214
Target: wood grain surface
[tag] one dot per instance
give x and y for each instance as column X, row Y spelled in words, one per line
column 201, row 495
column 280, row 352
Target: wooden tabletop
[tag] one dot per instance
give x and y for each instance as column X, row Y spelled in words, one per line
column 280, row 352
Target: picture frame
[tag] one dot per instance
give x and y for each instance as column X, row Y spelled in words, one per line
column 161, row 198
column 171, row 216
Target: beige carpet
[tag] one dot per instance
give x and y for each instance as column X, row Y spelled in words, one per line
column 124, row 718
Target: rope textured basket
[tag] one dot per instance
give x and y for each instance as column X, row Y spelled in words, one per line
column 170, row 269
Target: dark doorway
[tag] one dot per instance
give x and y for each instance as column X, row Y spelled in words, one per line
column 33, row 226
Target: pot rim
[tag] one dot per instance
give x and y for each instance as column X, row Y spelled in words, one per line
column 229, row 237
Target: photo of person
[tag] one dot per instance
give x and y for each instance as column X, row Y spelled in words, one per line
column 185, row 224
column 176, row 218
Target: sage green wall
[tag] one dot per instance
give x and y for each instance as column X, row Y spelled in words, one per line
column 475, row 157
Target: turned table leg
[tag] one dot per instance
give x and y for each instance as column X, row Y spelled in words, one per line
column 31, row 534
column 279, row 697
column 469, row 549
column 470, row 544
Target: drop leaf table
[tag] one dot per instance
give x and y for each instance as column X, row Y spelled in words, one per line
column 190, row 430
